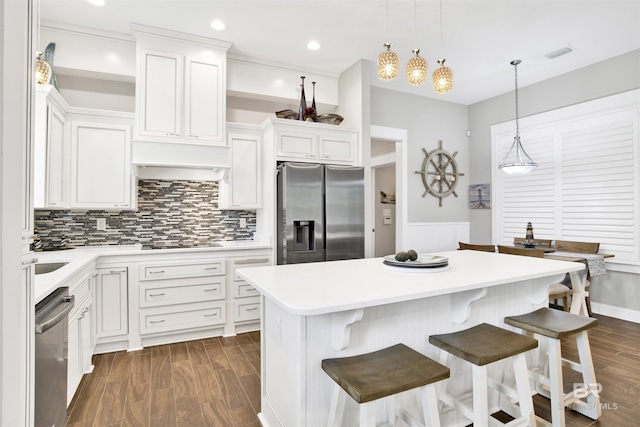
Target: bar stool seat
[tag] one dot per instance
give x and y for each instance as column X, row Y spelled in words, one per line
column 556, row 325
column 384, row 373
column 482, row 345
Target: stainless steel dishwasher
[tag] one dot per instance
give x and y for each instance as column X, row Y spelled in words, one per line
column 51, row 359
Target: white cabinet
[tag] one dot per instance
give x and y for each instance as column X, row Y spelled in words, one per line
column 313, row 142
column 111, row 300
column 180, row 87
column 101, row 175
column 179, row 296
column 246, row 298
column 51, row 150
column 242, row 188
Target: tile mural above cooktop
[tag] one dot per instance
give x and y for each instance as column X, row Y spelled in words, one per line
column 169, row 214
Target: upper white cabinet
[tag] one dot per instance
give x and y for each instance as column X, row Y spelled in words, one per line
column 51, row 150
column 313, row 142
column 180, row 87
column 242, row 188
column 101, row 176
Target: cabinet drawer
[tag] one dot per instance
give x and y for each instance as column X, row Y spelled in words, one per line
column 183, row 291
column 185, row 316
column 243, row 289
column 248, row 262
column 81, row 288
column 173, row 271
column 246, row 309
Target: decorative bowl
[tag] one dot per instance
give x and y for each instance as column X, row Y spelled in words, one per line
column 332, row 119
column 287, row 114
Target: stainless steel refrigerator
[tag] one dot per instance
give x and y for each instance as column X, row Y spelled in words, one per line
column 320, row 213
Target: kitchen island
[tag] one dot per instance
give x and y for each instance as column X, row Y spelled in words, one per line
column 319, row 310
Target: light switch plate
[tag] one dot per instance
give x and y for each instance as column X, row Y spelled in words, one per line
column 386, row 220
column 243, row 222
column 101, row 224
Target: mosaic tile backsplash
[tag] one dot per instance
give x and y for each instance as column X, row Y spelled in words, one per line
column 170, row 214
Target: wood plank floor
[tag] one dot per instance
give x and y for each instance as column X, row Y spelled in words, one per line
column 216, row 382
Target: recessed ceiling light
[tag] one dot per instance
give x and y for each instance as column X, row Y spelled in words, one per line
column 559, row 52
column 96, row 2
column 313, row 45
column 218, row 25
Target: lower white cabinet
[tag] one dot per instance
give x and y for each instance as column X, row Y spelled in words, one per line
column 246, row 298
column 182, row 317
column 111, row 297
column 80, row 333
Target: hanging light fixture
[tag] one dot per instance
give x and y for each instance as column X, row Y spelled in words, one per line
column 517, row 161
column 388, row 62
column 416, row 66
column 416, row 69
column 443, row 76
column 43, row 70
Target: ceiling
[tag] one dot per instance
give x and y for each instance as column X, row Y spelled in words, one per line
column 479, row 37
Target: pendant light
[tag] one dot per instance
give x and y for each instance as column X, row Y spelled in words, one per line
column 443, row 76
column 388, row 62
column 517, row 161
column 43, row 70
column 416, row 66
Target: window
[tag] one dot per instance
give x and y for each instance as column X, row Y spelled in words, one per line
column 587, row 184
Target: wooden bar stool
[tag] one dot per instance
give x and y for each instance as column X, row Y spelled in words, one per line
column 384, row 373
column 482, row 345
column 555, row 325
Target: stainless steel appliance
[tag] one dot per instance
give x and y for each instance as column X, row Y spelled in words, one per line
column 51, row 359
column 320, row 213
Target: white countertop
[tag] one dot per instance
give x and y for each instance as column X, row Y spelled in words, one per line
column 328, row 287
column 79, row 258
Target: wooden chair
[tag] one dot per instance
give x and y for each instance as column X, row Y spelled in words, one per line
column 581, row 248
column 541, row 242
column 469, row 246
column 557, row 290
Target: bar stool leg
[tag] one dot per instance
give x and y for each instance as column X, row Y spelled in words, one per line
column 556, row 382
column 336, row 410
column 592, row 410
column 524, row 388
column 430, row 405
column 480, row 400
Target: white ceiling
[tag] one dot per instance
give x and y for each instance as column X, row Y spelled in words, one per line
column 479, row 37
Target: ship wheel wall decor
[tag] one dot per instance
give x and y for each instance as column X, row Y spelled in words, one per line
column 439, row 173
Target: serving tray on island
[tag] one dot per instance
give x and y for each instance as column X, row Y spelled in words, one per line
column 423, row 261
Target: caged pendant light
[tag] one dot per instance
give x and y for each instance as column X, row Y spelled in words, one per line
column 443, row 76
column 517, row 161
column 416, row 66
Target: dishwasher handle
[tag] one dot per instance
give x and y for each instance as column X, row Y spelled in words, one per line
column 50, row 323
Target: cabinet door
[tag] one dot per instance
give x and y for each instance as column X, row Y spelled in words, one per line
column 204, row 102
column 337, row 148
column 111, row 302
column 159, row 95
column 101, row 165
column 57, row 175
column 296, row 145
column 86, row 337
column 74, row 364
column 244, row 186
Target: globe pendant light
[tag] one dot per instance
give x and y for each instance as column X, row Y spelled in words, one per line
column 442, row 78
column 517, row 161
column 388, row 64
column 416, row 69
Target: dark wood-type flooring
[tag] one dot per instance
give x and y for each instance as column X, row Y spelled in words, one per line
column 216, row 382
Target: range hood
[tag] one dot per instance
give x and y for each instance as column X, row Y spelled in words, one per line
column 172, row 161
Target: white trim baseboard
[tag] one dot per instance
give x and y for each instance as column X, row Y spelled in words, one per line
column 617, row 312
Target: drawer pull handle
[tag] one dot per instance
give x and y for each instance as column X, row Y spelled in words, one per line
column 85, row 310
column 211, row 268
column 81, row 317
column 210, row 289
column 157, row 295
column 30, row 261
column 211, row 315
column 252, row 308
column 156, row 272
column 156, row 321
column 117, row 271
column 251, row 261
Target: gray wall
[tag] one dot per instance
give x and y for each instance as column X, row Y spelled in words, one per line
column 615, row 75
column 427, row 121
